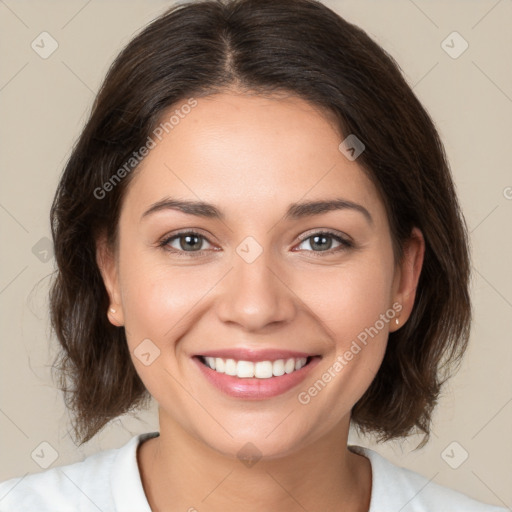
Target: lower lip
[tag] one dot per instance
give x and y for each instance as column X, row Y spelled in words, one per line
column 253, row 388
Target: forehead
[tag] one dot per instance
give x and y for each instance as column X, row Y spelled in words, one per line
column 250, row 153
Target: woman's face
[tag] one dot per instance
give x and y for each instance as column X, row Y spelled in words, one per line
column 262, row 279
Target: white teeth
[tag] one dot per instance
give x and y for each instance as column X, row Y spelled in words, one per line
column 278, row 368
column 230, row 367
column 289, row 365
column 263, row 369
column 260, row 369
column 219, row 364
column 245, row 369
column 299, row 364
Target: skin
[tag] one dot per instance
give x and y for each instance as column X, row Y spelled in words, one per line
column 251, row 157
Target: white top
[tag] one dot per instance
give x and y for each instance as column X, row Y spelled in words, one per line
column 109, row 481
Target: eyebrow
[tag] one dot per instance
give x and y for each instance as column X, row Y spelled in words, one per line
column 295, row 210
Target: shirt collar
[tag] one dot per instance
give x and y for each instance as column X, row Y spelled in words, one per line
column 126, row 484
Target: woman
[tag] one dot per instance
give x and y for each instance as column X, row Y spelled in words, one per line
column 257, row 228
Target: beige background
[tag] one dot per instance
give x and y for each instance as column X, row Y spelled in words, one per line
column 43, row 105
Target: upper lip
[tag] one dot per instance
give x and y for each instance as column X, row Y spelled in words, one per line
column 247, row 354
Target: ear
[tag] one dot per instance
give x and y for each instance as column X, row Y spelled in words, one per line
column 407, row 276
column 107, row 264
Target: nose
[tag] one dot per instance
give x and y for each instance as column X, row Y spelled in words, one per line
column 255, row 295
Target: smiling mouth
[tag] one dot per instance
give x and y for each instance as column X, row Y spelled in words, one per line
column 259, row 370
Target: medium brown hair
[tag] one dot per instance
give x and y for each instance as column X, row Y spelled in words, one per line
column 297, row 47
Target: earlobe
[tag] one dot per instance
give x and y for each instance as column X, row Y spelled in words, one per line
column 115, row 318
column 106, row 262
column 409, row 274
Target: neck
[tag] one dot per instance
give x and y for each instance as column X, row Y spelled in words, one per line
column 179, row 471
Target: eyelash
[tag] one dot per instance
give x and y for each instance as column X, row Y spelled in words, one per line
column 344, row 244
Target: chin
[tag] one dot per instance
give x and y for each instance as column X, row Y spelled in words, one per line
column 255, row 441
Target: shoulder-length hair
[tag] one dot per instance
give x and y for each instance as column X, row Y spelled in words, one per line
column 297, row 47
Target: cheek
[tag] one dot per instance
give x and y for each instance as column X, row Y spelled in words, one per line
column 349, row 298
column 159, row 305
column 158, row 296
column 353, row 306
